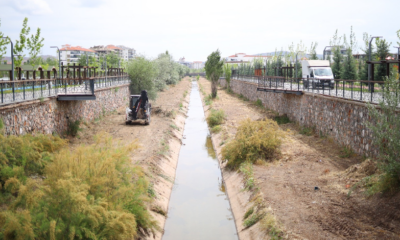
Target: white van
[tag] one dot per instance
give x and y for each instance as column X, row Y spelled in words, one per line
column 317, row 73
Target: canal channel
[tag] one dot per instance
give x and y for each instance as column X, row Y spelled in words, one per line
column 199, row 208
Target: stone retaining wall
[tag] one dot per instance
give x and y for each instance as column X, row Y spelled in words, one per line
column 341, row 119
column 52, row 116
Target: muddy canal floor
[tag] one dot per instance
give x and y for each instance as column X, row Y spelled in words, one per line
column 288, row 184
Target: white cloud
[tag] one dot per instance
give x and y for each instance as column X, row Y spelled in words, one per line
column 34, row 7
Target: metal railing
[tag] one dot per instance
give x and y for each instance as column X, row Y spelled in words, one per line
column 358, row 90
column 24, row 90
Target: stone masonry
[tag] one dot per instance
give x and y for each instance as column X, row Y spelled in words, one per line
column 343, row 120
column 51, row 116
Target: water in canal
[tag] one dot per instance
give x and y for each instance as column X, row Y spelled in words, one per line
column 199, row 207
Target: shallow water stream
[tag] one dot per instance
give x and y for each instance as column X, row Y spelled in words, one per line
column 199, row 207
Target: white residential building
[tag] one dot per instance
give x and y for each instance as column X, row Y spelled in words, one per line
column 197, row 65
column 70, row 54
column 127, row 53
column 244, row 58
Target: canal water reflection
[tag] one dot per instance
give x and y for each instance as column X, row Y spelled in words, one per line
column 198, row 208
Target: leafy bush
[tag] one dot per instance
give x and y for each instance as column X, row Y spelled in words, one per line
column 283, row 119
column 259, row 103
column 74, row 127
column 254, row 140
column 385, row 125
column 93, row 192
column 216, row 117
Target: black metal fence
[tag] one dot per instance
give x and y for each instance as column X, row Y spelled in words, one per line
column 23, row 90
column 358, row 90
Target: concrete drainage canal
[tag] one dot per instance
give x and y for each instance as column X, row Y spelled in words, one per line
column 199, row 208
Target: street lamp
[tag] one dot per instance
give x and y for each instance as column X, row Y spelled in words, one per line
column 323, row 56
column 12, row 58
column 59, row 62
column 371, row 88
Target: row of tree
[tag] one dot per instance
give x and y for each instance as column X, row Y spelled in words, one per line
column 154, row 75
column 344, row 66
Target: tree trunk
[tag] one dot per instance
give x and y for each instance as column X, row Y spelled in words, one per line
column 214, row 88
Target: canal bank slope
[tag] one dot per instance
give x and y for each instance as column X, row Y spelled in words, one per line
column 314, row 188
column 160, row 142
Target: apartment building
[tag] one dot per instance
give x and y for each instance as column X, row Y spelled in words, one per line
column 198, row 65
column 71, row 54
column 127, row 53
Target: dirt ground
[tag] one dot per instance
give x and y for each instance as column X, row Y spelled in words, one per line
column 160, row 141
column 289, row 184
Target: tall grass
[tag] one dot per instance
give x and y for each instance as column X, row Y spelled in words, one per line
column 92, row 192
column 254, row 140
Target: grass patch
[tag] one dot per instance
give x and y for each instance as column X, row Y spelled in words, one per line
column 246, row 169
column 248, row 212
column 241, row 96
column 1, row 127
column 180, row 106
column 216, row 117
column 175, row 127
column 208, row 100
column 159, row 210
column 252, row 219
column 185, row 94
column 306, row 131
column 346, row 152
column 269, row 225
column 171, row 114
column 216, row 129
column 164, row 148
column 254, row 140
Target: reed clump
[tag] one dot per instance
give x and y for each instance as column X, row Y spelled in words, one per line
column 254, row 140
column 92, row 192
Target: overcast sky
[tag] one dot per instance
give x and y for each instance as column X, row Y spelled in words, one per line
column 194, row 29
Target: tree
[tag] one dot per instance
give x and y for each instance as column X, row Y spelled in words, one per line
column 363, row 72
column 337, row 68
column 382, row 51
column 385, row 126
column 167, row 71
column 3, row 45
column 313, row 52
column 142, row 73
column 19, row 46
column 349, row 70
column 228, row 74
column 82, row 60
column 34, row 45
column 112, row 60
column 214, row 70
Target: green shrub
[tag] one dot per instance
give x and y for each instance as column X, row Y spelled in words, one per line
column 73, row 127
column 283, row 119
column 254, row 140
column 248, row 213
column 216, row 117
column 259, row 103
